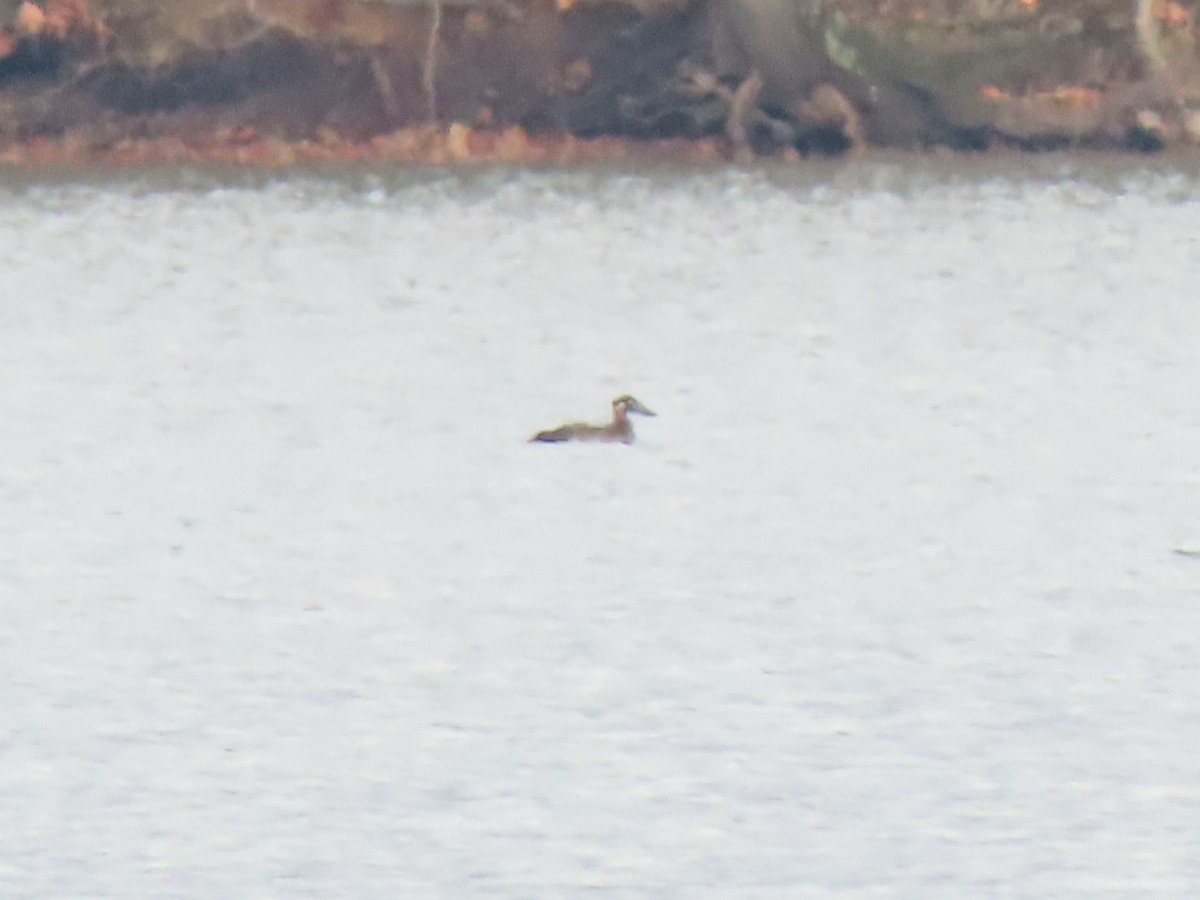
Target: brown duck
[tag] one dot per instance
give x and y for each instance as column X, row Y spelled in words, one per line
column 619, row 429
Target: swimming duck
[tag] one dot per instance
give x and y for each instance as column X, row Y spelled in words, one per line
column 619, row 429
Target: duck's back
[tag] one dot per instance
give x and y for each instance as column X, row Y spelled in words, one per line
column 582, row 431
column 553, row 435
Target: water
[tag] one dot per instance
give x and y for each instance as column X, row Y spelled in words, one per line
column 883, row 603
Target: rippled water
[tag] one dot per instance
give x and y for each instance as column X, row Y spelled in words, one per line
column 884, row 602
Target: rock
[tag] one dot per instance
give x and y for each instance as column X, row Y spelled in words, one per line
column 811, row 75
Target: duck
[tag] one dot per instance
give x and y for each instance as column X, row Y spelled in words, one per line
column 619, row 430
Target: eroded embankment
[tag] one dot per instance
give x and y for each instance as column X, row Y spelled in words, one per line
column 276, row 81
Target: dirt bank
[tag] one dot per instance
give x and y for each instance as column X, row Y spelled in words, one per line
column 285, row 80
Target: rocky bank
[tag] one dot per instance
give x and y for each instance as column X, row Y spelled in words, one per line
column 437, row 80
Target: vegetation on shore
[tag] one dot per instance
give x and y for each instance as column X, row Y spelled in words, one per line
column 281, row 81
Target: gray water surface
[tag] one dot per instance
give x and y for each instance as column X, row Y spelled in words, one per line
column 883, row 603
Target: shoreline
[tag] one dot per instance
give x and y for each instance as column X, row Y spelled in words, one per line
column 280, row 82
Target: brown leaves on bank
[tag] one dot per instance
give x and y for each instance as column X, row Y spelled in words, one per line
column 55, row 20
column 457, row 144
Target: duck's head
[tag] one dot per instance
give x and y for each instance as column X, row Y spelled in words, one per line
column 629, row 404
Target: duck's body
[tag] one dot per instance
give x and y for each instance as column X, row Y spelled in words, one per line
column 619, row 430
